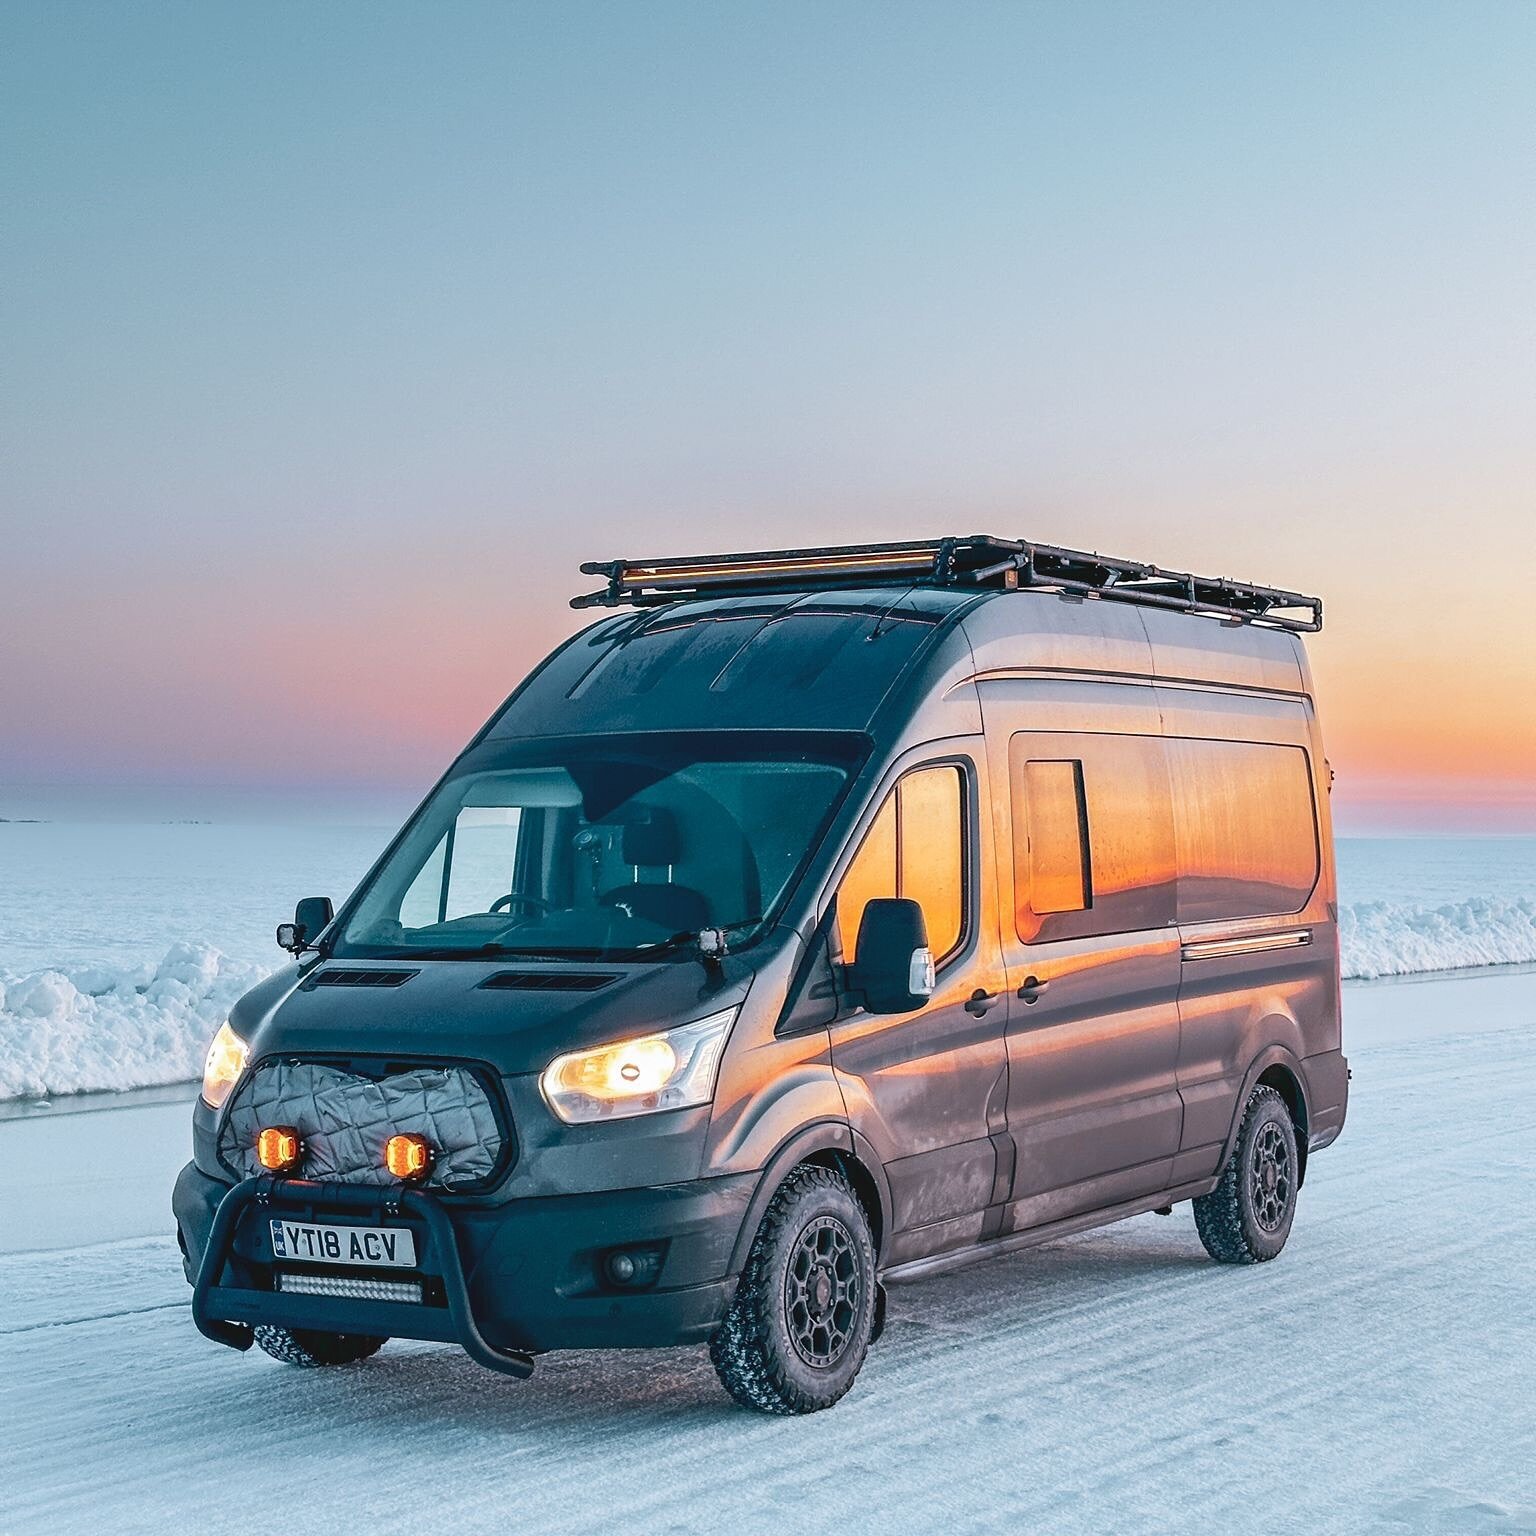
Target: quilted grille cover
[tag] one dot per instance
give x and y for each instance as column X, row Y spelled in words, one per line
column 345, row 1119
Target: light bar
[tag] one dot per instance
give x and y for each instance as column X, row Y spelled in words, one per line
column 775, row 567
column 349, row 1287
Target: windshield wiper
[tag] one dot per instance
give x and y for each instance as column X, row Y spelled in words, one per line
column 696, row 936
column 489, row 951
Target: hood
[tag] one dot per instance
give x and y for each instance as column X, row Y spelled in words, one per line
column 513, row 1015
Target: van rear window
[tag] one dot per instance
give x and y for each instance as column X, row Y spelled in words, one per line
column 1116, row 834
column 1245, row 826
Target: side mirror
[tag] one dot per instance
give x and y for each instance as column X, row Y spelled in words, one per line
column 311, row 918
column 894, row 969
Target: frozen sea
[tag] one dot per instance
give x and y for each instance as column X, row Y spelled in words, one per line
column 122, row 945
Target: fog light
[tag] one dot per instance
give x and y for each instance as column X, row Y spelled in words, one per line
column 279, row 1148
column 632, row 1269
column 408, row 1156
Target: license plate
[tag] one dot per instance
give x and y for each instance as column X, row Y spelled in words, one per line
column 322, row 1243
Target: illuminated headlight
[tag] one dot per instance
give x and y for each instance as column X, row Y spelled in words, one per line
column 671, row 1069
column 226, row 1061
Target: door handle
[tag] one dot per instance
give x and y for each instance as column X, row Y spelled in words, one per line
column 979, row 1001
column 1031, row 990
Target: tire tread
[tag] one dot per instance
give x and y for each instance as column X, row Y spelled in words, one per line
column 739, row 1349
column 294, row 1346
column 1219, row 1215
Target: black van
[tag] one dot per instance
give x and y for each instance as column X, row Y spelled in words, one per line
column 820, row 919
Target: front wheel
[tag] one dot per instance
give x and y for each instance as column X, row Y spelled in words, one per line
column 1247, row 1217
column 799, row 1326
column 306, row 1346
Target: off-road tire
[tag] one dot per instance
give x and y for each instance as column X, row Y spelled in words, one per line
column 307, row 1347
column 1247, row 1217
column 798, row 1328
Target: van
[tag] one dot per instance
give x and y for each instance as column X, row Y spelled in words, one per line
column 816, row 920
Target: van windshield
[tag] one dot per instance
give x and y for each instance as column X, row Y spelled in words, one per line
column 616, row 847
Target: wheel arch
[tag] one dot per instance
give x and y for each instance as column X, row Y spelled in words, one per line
column 1275, row 1067
column 830, row 1144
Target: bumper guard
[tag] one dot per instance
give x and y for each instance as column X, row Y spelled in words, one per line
column 220, row 1312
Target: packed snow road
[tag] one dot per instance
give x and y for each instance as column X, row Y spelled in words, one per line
column 1378, row 1377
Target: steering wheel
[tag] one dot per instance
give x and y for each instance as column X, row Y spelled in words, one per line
column 536, row 902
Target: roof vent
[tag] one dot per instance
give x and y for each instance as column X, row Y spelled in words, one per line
column 345, row 978
column 546, row 981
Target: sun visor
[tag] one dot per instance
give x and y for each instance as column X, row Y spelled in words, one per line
column 528, row 788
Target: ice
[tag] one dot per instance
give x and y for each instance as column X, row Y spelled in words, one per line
column 1377, row 1377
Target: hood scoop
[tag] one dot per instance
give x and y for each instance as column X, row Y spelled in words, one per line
column 355, row 978
column 546, row 981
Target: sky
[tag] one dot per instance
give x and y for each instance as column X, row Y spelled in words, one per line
column 334, row 338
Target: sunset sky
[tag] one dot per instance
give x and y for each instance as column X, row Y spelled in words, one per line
column 335, row 337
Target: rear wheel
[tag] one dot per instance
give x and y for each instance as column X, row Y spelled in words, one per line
column 1247, row 1217
column 800, row 1323
column 304, row 1346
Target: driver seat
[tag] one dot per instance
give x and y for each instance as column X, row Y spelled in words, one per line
column 655, row 844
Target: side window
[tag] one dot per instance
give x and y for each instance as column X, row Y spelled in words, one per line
column 1247, row 828
column 1092, row 835
column 915, row 848
column 1052, row 861
column 470, row 869
column 484, row 858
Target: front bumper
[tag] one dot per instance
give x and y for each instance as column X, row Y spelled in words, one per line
column 504, row 1281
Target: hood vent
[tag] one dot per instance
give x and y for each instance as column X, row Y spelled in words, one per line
column 345, row 978
column 546, row 981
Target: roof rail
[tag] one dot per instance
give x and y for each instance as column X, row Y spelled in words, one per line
column 978, row 560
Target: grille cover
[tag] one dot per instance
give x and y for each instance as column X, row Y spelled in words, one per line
column 345, row 1119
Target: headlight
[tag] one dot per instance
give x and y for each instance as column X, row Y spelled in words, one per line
column 226, row 1061
column 672, row 1069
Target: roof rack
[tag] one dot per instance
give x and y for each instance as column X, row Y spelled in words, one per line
column 975, row 561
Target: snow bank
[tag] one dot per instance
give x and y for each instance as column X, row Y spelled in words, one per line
column 1383, row 938
column 88, row 1027
column 94, row 1027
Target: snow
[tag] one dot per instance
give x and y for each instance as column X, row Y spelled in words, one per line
column 116, row 1027
column 1382, row 938
column 1377, row 1377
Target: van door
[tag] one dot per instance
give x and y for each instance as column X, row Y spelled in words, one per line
column 1258, row 940
column 928, row 1089
column 1093, row 965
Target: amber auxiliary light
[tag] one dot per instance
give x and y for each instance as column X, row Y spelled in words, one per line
column 408, row 1156
column 279, row 1148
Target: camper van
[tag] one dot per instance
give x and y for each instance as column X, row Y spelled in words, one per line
column 815, row 920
